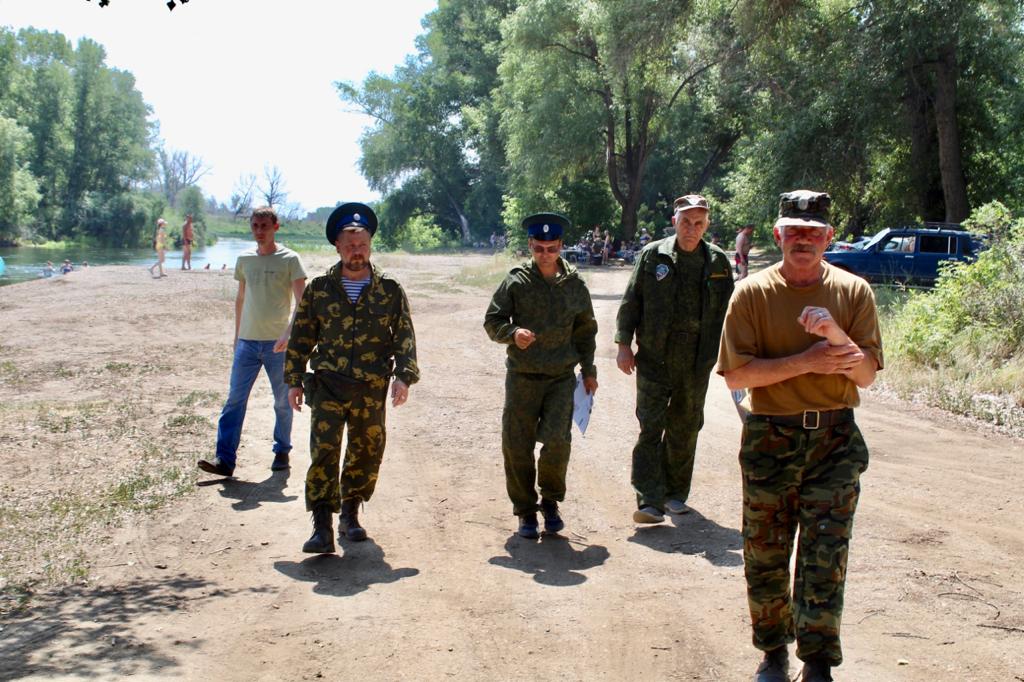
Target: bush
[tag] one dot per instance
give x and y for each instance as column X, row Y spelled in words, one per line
column 970, row 328
column 420, row 234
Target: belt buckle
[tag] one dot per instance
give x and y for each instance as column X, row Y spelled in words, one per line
column 817, row 419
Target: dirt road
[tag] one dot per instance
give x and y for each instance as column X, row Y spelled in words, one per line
column 213, row 585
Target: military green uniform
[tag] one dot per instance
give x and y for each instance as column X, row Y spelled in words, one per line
column 540, row 380
column 675, row 303
column 353, row 349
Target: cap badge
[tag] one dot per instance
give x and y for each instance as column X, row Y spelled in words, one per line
column 356, row 217
column 546, row 229
column 802, row 203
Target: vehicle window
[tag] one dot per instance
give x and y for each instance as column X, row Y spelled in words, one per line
column 938, row 244
column 901, row 244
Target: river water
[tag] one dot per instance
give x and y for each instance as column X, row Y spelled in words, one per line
column 25, row 262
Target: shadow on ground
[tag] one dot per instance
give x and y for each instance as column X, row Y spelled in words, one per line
column 86, row 632
column 552, row 561
column 696, row 535
column 359, row 565
column 250, row 494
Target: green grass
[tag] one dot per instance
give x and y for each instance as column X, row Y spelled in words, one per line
column 974, row 376
column 119, row 368
column 200, row 399
column 184, row 421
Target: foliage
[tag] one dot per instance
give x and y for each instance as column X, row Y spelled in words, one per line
column 976, row 311
column 122, row 220
column 19, row 193
column 82, row 139
column 435, row 148
column 608, row 109
column 419, row 234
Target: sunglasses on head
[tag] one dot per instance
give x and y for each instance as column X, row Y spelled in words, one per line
column 537, row 248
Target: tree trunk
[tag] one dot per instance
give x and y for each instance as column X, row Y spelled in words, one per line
column 463, row 220
column 954, row 186
column 925, row 181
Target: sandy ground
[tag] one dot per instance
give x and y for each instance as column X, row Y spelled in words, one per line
column 112, row 385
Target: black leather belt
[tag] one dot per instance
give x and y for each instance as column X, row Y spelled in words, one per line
column 809, row 419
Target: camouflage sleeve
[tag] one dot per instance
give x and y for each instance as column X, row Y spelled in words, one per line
column 628, row 317
column 498, row 319
column 584, row 336
column 305, row 331
column 406, row 368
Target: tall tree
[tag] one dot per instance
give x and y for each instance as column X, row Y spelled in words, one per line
column 435, row 139
column 273, row 187
column 590, row 79
column 177, row 170
column 18, row 192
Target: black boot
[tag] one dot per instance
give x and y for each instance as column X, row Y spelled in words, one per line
column 774, row 667
column 349, row 520
column 816, row 670
column 552, row 519
column 322, row 539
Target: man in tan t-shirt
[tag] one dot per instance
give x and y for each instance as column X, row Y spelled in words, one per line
column 802, row 336
column 269, row 278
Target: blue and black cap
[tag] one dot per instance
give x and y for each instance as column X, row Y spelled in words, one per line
column 352, row 214
column 546, row 227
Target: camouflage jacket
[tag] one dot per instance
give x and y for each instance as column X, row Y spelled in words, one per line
column 559, row 313
column 365, row 340
column 648, row 306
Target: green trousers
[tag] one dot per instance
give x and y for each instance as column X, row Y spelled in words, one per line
column 363, row 412
column 671, row 414
column 537, row 409
column 806, row 480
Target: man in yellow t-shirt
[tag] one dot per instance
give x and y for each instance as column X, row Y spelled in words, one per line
column 802, row 336
column 269, row 278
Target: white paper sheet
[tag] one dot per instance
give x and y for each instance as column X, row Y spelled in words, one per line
column 582, row 405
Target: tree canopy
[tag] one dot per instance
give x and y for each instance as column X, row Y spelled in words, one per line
column 607, row 109
column 74, row 142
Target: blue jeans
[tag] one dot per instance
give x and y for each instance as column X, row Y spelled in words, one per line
column 249, row 357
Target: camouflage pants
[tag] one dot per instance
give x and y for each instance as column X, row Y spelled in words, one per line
column 807, row 480
column 363, row 411
column 537, row 409
column 670, row 416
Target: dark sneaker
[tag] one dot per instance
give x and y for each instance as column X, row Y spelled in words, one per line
column 648, row 514
column 322, row 539
column 816, row 671
column 552, row 519
column 528, row 526
column 216, row 466
column 280, row 462
column 774, row 667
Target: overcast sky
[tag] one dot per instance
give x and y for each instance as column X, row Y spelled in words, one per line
column 248, row 83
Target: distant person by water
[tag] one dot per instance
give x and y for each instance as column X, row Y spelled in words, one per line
column 187, row 235
column 48, row 269
column 159, row 244
column 66, row 267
